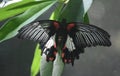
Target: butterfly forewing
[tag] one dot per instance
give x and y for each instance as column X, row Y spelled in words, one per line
column 89, row 35
column 39, row 31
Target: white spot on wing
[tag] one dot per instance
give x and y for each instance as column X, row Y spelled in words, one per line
column 69, row 44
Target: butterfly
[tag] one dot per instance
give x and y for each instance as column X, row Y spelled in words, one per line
column 71, row 38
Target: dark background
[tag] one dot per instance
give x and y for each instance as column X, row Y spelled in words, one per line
column 16, row 55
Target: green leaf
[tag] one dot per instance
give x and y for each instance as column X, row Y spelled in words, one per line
column 35, row 67
column 16, row 8
column 58, row 66
column 76, row 10
column 56, row 14
column 86, row 18
column 46, row 67
column 10, row 28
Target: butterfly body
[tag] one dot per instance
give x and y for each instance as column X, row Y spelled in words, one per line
column 71, row 38
column 61, row 34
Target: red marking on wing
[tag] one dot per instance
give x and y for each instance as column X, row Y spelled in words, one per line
column 55, row 45
column 64, row 48
column 56, row 24
column 65, row 60
column 63, row 54
column 55, row 52
column 70, row 26
column 69, row 60
column 51, row 58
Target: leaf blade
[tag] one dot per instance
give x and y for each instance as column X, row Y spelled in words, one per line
column 76, row 10
column 17, row 8
column 10, row 29
column 35, row 67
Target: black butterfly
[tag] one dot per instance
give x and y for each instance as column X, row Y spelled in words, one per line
column 71, row 38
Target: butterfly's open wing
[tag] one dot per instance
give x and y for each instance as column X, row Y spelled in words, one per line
column 85, row 35
column 40, row 31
